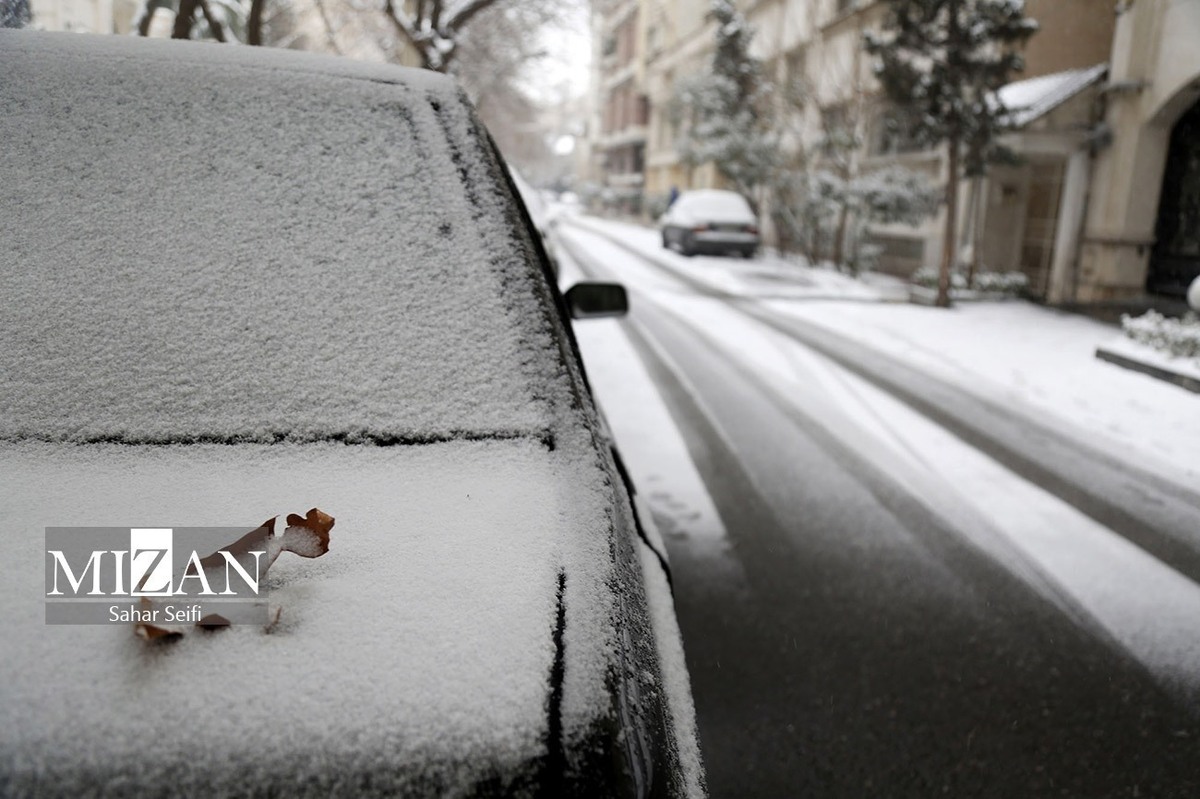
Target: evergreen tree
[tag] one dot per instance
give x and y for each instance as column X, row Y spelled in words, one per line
column 889, row 196
column 722, row 111
column 14, row 13
column 941, row 62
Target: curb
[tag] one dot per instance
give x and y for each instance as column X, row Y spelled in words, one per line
column 1183, row 381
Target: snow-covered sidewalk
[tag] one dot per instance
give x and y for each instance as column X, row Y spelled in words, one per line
column 1038, row 359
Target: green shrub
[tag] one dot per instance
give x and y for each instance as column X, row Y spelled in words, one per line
column 990, row 282
column 1179, row 337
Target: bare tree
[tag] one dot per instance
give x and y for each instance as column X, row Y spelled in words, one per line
column 433, row 29
column 246, row 21
column 490, row 46
column 496, row 55
column 14, row 13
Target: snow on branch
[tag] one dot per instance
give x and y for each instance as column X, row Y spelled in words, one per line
column 433, row 30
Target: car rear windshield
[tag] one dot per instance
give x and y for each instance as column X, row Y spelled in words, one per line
column 200, row 251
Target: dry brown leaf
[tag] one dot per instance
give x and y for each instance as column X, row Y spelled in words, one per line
column 306, row 536
column 154, row 632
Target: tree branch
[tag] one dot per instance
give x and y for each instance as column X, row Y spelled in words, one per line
column 403, row 26
column 184, row 20
column 143, row 25
column 254, row 26
column 465, row 14
column 330, row 33
column 435, row 16
column 218, row 32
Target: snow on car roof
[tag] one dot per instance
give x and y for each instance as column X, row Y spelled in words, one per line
column 221, row 245
column 312, row 245
column 716, row 203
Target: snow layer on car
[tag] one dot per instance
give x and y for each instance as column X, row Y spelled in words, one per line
column 419, row 648
column 305, row 255
column 715, row 205
column 405, row 254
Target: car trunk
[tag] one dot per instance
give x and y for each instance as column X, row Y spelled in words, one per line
column 420, row 652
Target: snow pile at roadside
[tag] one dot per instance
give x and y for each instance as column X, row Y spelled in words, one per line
column 1039, row 357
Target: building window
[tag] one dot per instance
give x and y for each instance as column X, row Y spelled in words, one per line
column 642, row 112
column 891, row 134
column 626, row 37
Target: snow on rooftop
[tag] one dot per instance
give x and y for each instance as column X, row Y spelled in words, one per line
column 1031, row 98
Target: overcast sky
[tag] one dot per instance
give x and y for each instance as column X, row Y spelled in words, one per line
column 569, row 48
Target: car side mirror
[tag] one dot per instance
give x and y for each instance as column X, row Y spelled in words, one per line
column 595, row 300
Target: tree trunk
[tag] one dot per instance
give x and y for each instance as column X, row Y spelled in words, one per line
column 254, row 27
column 950, row 237
column 839, row 236
column 972, row 237
column 815, row 241
column 143, row 26
column 214, row 25
column 184, row 20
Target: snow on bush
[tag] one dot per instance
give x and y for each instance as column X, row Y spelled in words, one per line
column 1006, row 282
column 1177, row 336
column 990, row 282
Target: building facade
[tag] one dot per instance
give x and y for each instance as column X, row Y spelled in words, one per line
column 618, row 143
column 1143, row 219
column 1105, row 203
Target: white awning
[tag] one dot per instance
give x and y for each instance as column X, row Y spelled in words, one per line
column 1032, row 98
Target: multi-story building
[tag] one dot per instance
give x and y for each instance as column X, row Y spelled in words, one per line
column 619, row 142
column 1143, row 215
column 1026, row 217
column 678, row 40
column 1104, row 202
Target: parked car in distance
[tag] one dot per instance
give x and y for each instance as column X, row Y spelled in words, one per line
column 710, row 221
column 242, row 282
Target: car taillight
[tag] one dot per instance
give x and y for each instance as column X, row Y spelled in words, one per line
column 699, row 228
column 752, row 229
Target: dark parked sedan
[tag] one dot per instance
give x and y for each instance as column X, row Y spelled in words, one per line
column 241, row 283
column 710, row 221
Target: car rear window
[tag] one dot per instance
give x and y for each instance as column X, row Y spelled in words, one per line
column 254, row 254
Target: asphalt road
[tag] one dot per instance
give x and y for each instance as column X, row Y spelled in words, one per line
column 869, row 648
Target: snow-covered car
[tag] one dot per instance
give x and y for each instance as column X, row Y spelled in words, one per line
column 710, row 221
column 237, row 283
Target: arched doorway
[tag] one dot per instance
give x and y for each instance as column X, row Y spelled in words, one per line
column 1175, row 262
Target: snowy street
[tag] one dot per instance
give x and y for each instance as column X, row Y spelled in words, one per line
column 914, row 550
